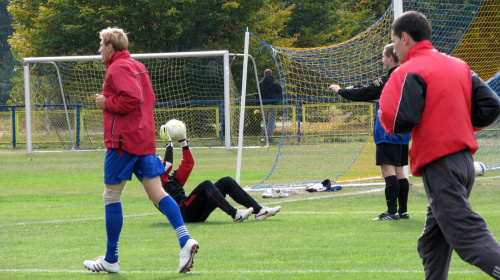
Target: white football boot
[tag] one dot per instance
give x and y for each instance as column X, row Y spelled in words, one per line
column 242, row 215
column 186, row 256
column 266, row 212
column 99, row 264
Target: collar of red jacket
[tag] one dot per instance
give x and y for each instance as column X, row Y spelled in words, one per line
column 117, row 55
column 418, row 47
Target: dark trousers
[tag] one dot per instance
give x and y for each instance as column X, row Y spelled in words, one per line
column 451, row 224
column 207, row 196
column 270, row 116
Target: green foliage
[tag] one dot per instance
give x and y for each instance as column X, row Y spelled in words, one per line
column 61, row 27
column 52, row 28
column 319, row 22
column 7, row 61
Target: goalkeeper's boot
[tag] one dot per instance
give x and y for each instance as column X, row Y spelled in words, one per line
column 387, row 217
column 266, row 212
column 99, row 264
column 186, row 256
column 242, row 214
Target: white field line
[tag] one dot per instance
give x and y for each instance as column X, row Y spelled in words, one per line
column 348, row 185
column 73, row 220
column 279, row 201
column 329, row 271
column 66, row 271
column 341, row 213
column 333, row 194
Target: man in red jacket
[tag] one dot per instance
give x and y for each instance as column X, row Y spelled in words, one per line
column 127, row 103
column 432, row 94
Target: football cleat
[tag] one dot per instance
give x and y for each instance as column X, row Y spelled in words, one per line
column 404, row 215
column 387, row 217
column 242, row 215
column 99, row 264
column 186, row 256
column 274, row 193
column 266, row 212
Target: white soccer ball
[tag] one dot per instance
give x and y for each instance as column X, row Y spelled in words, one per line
column 176, row 130
column 479, row 168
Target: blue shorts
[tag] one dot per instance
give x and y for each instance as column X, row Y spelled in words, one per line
column 120, row 168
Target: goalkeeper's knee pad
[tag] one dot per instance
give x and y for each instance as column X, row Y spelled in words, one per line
column 110, row 196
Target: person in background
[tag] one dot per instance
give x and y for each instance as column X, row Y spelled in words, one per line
column 442, row 102
column 391, row 150
column 127, row 103
column 270, row 92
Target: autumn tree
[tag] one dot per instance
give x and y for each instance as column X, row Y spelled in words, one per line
column 7, row 61
column 71, row 27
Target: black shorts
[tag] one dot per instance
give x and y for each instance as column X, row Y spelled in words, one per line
column 392, row 154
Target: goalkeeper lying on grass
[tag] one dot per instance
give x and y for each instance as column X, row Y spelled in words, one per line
column 197, row 206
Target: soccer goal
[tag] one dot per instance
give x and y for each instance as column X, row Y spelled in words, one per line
column 325, row 137
column 195, row 87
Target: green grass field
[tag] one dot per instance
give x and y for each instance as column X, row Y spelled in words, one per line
column 51, row 220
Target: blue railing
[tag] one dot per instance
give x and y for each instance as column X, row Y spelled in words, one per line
column 297, row 104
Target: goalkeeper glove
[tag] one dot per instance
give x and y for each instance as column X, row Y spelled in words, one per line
column 176, row 130
column 164, row 133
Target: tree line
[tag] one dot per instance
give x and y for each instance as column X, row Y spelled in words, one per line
column 37, row 28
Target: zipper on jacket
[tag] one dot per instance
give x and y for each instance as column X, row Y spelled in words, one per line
column 139, row 85
column 120, row 145
column 113, row 131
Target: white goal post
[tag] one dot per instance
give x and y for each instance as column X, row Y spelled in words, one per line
column 31, row 62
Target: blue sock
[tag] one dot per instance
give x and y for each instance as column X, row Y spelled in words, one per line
column 170, row 208
column 114, row 223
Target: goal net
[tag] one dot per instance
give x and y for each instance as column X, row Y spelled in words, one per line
column 323, row 136
column 195, row 87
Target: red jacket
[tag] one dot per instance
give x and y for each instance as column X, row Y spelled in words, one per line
column 434, row 90
column 128, row 117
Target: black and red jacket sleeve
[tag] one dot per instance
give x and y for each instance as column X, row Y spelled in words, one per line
column 401, row 112
column 485, row 103
column 186, row 166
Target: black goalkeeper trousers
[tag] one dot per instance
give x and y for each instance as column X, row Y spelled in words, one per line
column 207, row 196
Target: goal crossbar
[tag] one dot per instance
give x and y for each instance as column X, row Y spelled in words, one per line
column 34, row 60
column 134, row 56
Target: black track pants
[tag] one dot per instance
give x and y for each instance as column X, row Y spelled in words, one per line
column 207, row 196
column 451, row 224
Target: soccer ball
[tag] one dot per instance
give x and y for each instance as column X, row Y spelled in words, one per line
column 479, row 168
column 174, row 130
